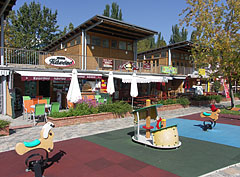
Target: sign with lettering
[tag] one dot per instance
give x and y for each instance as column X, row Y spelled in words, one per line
column 129, row 66
column 169, row 70
column 107, row 63
column 60, row 61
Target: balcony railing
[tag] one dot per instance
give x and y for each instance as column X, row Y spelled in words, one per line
column 21, row 58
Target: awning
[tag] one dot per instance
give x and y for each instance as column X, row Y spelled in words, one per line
column 60, row 76
column 141, row 78
column 179, row 77
column 4, row 72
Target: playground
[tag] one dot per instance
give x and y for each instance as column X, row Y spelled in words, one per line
column 114, row 153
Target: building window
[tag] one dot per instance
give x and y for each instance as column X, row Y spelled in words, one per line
column 163, row 54
column 114, row 44
column 96, row 41
column 153, row 63
column 105, row 43
column 72, row 43
column 156, row 55
column 64, row 45
column 181, row 64
column 129, row 46
column 173, row 63
column 88, row 39
column 182, row 57
column 122, row 45
column 78, row 40
column 177, row 63
column 157, row 62
column 148, row 56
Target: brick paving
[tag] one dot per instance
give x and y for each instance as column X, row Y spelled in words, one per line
column 63, row 133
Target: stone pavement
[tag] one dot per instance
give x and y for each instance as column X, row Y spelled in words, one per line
column 63, row 133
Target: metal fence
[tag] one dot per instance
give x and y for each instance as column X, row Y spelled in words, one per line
column 23, row 57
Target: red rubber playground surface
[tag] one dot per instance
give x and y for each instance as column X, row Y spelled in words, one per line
column 113, row 154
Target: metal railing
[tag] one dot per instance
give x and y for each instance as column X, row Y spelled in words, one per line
column 27, row 58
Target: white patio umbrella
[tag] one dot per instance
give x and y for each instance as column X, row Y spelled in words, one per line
column 110, row 84
column 74, row 93
column 134, row 88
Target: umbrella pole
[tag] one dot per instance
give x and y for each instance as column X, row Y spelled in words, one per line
column 132, row 102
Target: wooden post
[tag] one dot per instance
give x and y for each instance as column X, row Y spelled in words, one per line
column 148, row 119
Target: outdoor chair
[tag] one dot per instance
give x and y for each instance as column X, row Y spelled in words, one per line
column 26, row 98
column 55, row 107
column 39, row 97
column 101, row 100
column 47, row 98
column 35, row 101
column 97, row 97
column 27, row 107
column 70, row 104
column 39, row 112
column 42, row 101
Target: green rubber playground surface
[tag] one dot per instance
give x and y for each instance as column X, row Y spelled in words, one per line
column 193, row 158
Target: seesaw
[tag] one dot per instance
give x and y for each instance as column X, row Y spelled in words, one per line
column 45, row 142
column 211, row 116
column 162, row 138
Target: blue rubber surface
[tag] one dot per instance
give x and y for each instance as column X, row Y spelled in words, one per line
column 221, row 133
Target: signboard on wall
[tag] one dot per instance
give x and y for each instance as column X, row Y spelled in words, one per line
column 129, row 66
column 169, row 70
column 202, row 72
column 107, row 63
column 147, row 66
column 59, row 61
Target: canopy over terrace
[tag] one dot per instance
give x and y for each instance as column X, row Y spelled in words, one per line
column 142, row 78
column 61, row 76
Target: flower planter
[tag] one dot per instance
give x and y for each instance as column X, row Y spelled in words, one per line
column 4, row 131
column 171, row 107
column 59, row 122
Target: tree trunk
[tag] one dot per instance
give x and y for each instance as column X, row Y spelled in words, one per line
column 231, row 93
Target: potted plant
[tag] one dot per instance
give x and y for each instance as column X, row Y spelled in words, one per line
column 4, row 127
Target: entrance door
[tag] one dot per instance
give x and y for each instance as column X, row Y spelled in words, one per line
column 44, row 88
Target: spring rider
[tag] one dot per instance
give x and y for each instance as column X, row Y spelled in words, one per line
column 212, row 117
column 45, row 142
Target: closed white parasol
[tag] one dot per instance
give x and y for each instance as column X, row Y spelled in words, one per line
column 110, row 84
column 74, row 93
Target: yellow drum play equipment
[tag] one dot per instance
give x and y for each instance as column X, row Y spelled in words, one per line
column 166, row 137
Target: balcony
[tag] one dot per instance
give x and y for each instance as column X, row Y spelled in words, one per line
column 21, row 58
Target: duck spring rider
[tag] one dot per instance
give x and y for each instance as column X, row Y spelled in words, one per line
column 45, row 142
column 212, row 118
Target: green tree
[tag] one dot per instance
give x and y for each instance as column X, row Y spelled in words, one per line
column 32, row 27
column 146, row 44
column 178, row 36
column 217, row 24
column 160, row 41
column 66, row 29
column 116, row 13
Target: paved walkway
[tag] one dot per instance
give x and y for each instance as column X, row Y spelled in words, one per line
column 63, row 133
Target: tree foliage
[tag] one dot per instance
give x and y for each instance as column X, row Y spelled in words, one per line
column 217, row 46
column 67, row 29
column 116, row 12
column 31, row 27
column 146, row 44
column 178, row 36
column 160, row 41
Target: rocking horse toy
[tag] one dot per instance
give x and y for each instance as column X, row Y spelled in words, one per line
column 213, row 117
column 45, row 142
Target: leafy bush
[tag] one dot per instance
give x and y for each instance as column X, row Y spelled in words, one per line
column 217, row 98
column 84, row 108
column 237, row 95
column 4, row 123
column 183, row 101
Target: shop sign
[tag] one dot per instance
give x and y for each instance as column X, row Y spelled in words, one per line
column 147, row 66
column 107, row 63
column 202, row 72
column 169, row 70
column 129, row 66
column 60, row 61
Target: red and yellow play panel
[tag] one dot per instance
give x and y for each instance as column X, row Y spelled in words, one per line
column 78, row 157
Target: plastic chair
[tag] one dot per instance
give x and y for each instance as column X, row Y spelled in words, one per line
column 97, row 97
column 39, row 111
column 90, row 97
column 42, row 101
column 70, row 104
column 27, row 107
column 55, row 107
column 101, row 100
column 47, row 98
column 26, row 98
column 35, row 100
column 39, row 97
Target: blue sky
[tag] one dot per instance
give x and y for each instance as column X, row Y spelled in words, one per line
column 158, row 15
